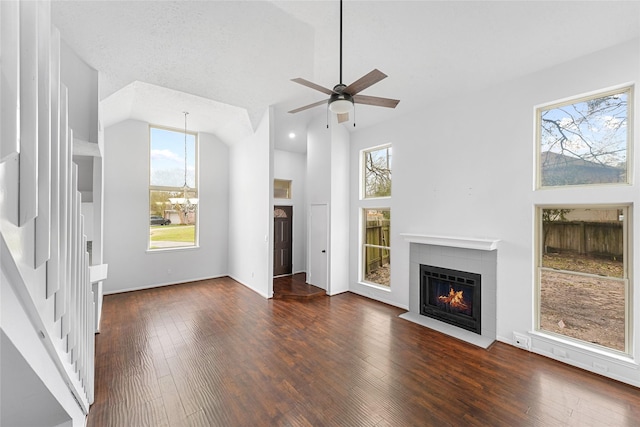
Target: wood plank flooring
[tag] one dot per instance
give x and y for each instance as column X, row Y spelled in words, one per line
column 214, row 353
column 295, row 286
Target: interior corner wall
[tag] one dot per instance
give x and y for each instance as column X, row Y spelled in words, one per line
column 250, row 210
column 318, row 163
column 328, row 183
column 292, row 166
column 82, row 82
column 464, row 167
column 339, row 214
column 126, row 214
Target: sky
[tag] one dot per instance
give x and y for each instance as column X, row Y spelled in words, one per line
column 167, row 158
column 600, row 133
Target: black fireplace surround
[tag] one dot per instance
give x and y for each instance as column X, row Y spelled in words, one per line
column 451, row 296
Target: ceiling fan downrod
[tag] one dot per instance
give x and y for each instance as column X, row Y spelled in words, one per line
column 341, row 43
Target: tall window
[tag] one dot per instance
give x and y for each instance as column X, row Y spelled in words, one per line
column 173, row 190
column 375, row 252
column 583, row 275
column 585, row 141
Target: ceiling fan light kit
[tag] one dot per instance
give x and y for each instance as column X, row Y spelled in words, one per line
column 340, row 103
column 342, row 98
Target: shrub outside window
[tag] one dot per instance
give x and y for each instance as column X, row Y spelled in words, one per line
column 173, row 191
column 585, row 141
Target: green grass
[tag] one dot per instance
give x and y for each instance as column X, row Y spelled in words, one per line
column 173, row 233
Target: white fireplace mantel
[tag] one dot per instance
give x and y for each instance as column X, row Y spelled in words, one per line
column 455, row 242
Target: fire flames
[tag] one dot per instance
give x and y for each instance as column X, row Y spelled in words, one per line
column 454, row 299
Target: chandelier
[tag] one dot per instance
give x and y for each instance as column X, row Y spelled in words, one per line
column 185, row 204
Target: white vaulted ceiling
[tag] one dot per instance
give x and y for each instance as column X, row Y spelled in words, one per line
column 244, row 53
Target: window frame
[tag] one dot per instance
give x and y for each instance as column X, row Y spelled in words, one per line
column 627, row 278
column 362, row 172
column 195, row 189
column 364, row 246
column 625, row 87
column 289, row 183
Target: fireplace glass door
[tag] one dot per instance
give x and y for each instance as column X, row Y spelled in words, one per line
column 451, row 296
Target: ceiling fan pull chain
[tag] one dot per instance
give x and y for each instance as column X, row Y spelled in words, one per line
column 327, row 116
column 354, row 115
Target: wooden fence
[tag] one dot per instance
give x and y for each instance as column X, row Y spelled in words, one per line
column 377, row 233
column 602, row 239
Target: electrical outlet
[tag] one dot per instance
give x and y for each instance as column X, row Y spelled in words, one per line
column 521, row 341
column 559, row 352
column 600, row 367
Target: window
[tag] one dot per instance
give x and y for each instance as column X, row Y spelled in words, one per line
column 377, row 172
column 583, row 275
column 376, row 248
column 281, row 189
column 585, row 141
column 375, row 252
column 173, row 191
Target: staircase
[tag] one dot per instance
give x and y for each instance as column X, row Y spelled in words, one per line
column 44, row 257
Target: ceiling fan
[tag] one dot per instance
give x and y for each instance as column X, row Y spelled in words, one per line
column 342, row 97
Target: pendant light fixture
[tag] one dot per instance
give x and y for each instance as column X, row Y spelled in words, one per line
column 185, row 204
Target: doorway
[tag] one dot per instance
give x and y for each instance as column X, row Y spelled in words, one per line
column 282, row 240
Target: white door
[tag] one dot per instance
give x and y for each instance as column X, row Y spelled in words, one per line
column 318, row 246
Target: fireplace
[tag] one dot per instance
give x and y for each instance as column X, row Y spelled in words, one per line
column 451, row 296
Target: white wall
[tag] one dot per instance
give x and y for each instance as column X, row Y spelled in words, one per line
column 339, row 214
column 251, row 210
column 465, row 167
column 293, row 167
column 82, row 82
column 318, row 162
column 126, row 214
column 328, row 182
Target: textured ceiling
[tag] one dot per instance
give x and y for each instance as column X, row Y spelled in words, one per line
column 243, row 53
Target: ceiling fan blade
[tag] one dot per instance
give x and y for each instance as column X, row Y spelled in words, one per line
column 306, row 107
column 365, row 81
column 343, row 117
column 374, row 100
column 312, row 85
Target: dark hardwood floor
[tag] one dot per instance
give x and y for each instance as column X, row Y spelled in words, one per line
column 295, row 286
column 214, row 353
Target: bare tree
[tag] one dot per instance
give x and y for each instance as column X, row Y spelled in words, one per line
column 548, row 216
column 378, row 173
column 585, row 142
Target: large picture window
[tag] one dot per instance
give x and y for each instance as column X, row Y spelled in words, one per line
column 173, row 190
column 585, row 141
column 583, row 275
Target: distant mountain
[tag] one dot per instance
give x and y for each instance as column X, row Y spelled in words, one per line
column 558, row 169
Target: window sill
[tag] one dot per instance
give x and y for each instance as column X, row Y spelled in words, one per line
column 375, row 286
column 364, row 199
column 164, row 250
column 613, row 356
